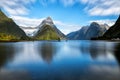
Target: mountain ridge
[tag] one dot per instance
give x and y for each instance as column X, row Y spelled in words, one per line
column 52, row 32
column 87, row 32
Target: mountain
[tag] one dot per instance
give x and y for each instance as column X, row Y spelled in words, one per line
column 48, row 31
column 88, row 32
column 78, row 35
column 114, row 31
column 96, row 30
column 9, row 30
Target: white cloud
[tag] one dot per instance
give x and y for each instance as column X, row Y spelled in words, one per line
column 16, row 7
column 26, row 22
column 105, row 21
column 93, row 7
column 102, row 7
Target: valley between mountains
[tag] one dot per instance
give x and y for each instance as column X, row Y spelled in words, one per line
column 47, row 30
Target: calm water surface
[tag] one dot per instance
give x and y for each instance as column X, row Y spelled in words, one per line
column 66, row 60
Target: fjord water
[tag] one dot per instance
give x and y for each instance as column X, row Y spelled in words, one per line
column 65, row 60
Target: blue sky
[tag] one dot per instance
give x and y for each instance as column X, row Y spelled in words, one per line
column 68, row 15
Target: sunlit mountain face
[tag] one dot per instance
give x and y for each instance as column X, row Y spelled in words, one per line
column 68, row 15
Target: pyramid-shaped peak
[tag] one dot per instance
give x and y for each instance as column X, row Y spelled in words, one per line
column 48, row 20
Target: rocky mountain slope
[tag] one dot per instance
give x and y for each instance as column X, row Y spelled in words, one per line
column 48, row 31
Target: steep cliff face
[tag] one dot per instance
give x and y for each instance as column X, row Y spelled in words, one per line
column 48, row 31
column 114, row 31
column 9, row 30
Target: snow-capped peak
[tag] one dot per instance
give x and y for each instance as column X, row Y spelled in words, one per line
column 48, row 20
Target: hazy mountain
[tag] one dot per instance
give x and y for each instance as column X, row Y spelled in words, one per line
column 9, row 30
column 88, row 32
column 96, row 30
column 48, row 31
column 78, row 35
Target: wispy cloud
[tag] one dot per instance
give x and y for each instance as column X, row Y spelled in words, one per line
column 102, row 7
column 26, row 22
column 93, row 7
column 16, row 7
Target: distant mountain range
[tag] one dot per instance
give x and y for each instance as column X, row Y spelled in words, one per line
column 88, row 32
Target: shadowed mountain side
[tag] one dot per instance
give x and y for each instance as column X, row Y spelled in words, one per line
column 112, row 33
column 9, row 30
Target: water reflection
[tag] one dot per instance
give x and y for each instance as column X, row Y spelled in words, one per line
column 7, row 52
column 81, row 60
column 117, row 52
column 100, row 49
column 47, row 51
column 96, row 49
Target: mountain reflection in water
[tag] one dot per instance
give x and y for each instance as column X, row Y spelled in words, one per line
column 71, row 60
column 47, row 51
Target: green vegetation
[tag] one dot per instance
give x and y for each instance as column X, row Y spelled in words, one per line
column 47, row 33
column 7, row 37
column 9, row 30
